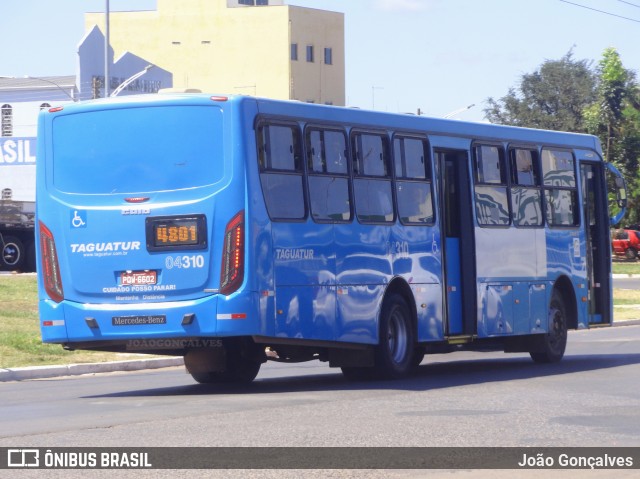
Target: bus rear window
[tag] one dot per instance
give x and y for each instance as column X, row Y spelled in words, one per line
column 136, row 150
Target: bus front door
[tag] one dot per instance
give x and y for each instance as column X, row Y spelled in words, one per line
column 597, row 239
column 458, row 248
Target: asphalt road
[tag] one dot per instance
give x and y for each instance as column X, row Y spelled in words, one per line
column 591, row 398
column 626, row 283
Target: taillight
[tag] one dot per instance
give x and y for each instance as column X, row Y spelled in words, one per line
column 232, row 271
column 50, row 267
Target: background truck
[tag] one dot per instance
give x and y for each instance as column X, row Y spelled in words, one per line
column 17, row 203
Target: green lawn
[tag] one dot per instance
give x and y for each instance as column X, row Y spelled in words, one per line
column 20, row 343
column 626, row 267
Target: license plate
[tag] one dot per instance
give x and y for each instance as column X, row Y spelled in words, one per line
column 136, row 278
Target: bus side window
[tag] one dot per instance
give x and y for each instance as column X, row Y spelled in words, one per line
column 281, row 173
column 413, row 181
column 328, row 175
column 372, row 182
column 492, row 207
column 560, row 192
column 526, row 196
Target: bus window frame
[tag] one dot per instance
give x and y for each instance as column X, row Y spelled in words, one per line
column 260, row 123
column 356, row 175
column 537, row 168
column 308, row 173
column 428, row 179
column 574, row 190
column 504, row 181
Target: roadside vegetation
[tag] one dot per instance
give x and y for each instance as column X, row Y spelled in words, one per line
column 20, row 343
column 626, row 267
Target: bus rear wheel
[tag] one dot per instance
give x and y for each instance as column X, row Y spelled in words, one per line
column 394, row 355
column 242, row 372
column 233, row 361
column 554, row 342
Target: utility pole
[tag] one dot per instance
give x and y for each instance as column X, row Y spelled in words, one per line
column 106, row 50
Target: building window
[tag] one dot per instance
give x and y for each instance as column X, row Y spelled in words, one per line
column 294, row 52
column 310, row 53
column 7, row 120
column 246, row 2
column 262, row 2
column 328, row 56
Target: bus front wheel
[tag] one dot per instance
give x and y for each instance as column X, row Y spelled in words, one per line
column 554, row 342
column 394, row 355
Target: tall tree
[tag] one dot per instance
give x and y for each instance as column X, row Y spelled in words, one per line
column 553, row 97
column 615, row 118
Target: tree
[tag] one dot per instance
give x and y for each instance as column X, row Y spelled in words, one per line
column 554, row 97
column 615, row 118
column 568, row 95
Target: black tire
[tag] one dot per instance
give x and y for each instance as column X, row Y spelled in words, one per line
column 631, row 253
column 394, row 355
column 555, row 340
column 242, row 372
column 242, row 365
column 13, row 253
column 418, row 356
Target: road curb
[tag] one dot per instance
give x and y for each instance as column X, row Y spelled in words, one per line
column 43, row 372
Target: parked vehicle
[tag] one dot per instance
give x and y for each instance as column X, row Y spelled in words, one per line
column 17, row 203
column 626, row 243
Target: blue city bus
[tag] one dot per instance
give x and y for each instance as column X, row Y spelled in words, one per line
column 236, row 230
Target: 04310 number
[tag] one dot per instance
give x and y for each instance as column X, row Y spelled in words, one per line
column 184, row 261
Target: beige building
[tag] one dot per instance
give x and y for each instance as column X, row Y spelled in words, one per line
column 235, row 47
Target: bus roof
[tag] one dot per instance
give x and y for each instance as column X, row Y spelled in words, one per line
column 368, row 119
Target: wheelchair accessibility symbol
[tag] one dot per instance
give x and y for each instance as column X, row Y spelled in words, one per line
column 79, row 219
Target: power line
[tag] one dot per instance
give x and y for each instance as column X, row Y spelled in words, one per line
column 629, row 3
column 601, row 11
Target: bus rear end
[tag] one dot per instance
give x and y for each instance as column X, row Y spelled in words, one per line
column 140, row 228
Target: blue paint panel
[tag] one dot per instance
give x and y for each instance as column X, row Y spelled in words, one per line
column 305, row 312
column 538, row 308
column 497, row 310
column 363, row 269
column 429, row 308
column 358, row 309
column 454, row 286
column 304, row 270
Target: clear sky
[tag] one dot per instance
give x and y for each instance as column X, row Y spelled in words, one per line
column 436, row 55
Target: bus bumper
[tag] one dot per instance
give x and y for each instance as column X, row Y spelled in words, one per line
column 68, row 322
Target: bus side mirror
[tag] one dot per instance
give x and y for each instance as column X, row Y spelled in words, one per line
column 621, row 192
